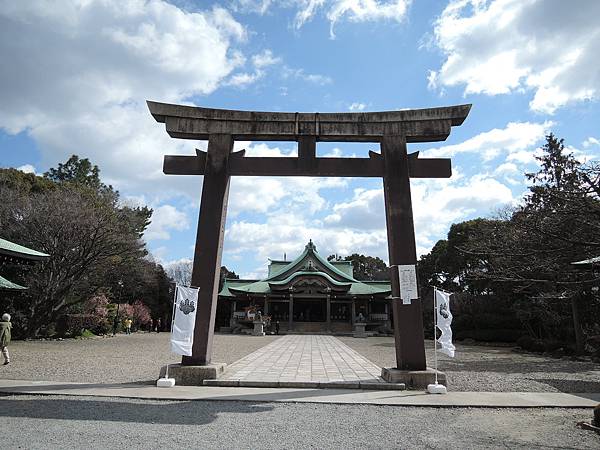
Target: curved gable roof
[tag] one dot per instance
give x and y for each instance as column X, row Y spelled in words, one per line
column 310, row 252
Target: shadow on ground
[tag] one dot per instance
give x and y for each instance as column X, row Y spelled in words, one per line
column 569, row 386
column 518, row 364
column 168, row 413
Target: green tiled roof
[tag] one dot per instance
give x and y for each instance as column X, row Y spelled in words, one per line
column 309, row 250
column 276, row 266
column 229, row 282
column 258, row 287
column 344, row 266
column 5, row 284
column 367, row 288
column 11, row 249
column 282, row 273
column 301, row 273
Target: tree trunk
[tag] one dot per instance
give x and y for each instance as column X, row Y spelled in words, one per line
column 579, row 344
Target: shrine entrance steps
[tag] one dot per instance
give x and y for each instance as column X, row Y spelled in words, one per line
column 305, row 361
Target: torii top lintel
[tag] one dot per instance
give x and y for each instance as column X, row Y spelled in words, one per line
column 417, row 125
column 412, row 125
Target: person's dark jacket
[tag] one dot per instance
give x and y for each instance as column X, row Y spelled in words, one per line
column 5, row 327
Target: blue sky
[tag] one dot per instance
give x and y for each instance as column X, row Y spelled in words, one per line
column 75, row 77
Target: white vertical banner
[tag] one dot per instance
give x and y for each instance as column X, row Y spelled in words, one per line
column 444, row 321
column 184, row 319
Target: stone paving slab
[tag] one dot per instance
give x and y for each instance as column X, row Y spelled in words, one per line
column 335, row 396
column 369, row 384
column 294, row 360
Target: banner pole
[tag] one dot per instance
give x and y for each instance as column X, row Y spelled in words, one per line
column 172, row 322
column 435, row 333
column 173, row 311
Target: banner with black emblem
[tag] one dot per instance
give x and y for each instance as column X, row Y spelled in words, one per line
column 184, row 318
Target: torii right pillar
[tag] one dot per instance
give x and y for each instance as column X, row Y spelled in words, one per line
column 408, row 318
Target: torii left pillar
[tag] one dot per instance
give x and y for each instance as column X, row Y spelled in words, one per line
column 207, row 256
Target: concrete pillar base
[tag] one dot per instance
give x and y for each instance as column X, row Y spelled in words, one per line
column 413, row 379
column 193, row 375
column 258, row 329
column 359, row 330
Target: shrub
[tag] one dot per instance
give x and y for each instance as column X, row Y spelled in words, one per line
column 75, row 324
column 87, row 333
column 141, row 313
column 97, row 308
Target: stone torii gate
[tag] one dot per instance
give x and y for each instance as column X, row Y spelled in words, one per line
column 392, row 130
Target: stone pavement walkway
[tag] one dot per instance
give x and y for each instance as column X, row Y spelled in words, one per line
column 303, row 359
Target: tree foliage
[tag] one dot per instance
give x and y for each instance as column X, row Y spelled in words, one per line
column 365, row 268
column 78, row 172
column 93, row 242
column 524, row 257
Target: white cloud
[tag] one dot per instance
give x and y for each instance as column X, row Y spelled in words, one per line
column 502, row 46
column 290, row 233
column 273, row 195
column 436, row 205
column 256, row 6
column 77, row 78
column 265, row 59
column 589, row 142
column 27, row 168
column 260, row 61
column 165, row 218
column 333, row 10
column 357, row 106
column 288, row 72
column 352, row 11
column 506, row 168
column 244, row 78
column 337, row 152
column 517, row 140
column 358, row 223
column 364, row 212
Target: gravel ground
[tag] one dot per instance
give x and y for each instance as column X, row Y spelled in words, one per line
column 495, row 369
column 58, row 422
column 119, row 359
column 138, row 357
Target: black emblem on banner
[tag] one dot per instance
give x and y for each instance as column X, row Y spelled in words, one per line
column 186, row 306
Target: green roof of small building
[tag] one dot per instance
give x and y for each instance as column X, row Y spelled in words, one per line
column 9, row 285
column 229, row 282
column 11, row 249
column 344, row 266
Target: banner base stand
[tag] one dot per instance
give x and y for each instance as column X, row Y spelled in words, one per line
column 436, row 389
column 165, row 382
column 193, row 375
column 413, row 379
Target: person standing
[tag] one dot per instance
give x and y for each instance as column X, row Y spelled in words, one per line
column 5, row 327
column 158, row 325
column 128, row 323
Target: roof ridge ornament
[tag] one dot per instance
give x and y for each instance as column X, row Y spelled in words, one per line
column 311, row 246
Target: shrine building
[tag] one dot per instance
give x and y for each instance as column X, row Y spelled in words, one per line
column 309, row 294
